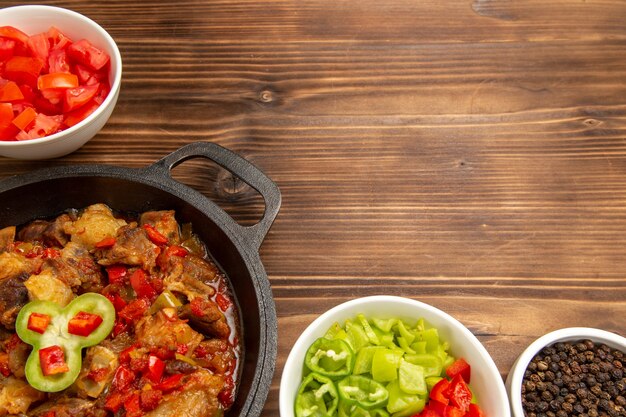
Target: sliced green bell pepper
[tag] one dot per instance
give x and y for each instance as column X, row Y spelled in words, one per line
column 57, row 334
column 330, row 357
column 385, row 363
column 317, row 397
column 432, row 364
column 411, row 378
column 400, row 402
column 364, row 392
column 353, row 410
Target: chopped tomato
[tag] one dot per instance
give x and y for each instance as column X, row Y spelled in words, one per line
column 83, row 52
column 79, row 96
column 139, row 282
column 52, row 360
column 74, row 117
column 39, row 46
column 115, row 400
column 154, row 235
column 54, row 76
column 132, row 406
column 57, row 80
column 50, row 413
column 38, row 322
column 83, row 323
column 7, row 46
column 6, row 114
column 23, row 70
column 10, row 92
column 5, row 370
column 222, row 301
column 25, row 118
column 13, row 33
column 134, row 310
column 460, row 367
column 107, row 242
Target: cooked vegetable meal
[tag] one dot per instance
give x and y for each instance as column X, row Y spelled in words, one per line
column 384, row 367
column 113, row 314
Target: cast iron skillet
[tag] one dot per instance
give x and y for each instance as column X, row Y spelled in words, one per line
column 48, row 192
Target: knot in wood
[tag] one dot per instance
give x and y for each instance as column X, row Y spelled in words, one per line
column 592, row 122
column 266, row 96
column 230, row 185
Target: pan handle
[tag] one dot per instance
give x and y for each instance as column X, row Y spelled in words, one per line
column 240, row 167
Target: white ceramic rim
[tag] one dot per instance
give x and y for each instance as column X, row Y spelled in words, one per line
column 285, row 402
column 516, row 375
column 115, row 84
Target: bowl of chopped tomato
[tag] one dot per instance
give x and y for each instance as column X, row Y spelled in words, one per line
column 60, row 76
column 384, row 356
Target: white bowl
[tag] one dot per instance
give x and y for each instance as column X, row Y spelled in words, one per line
column 486, row 381
column 36, row 19
column 516, row 375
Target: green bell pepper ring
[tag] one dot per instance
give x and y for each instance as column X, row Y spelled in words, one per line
column 317, row 397
column 331, row 358
column 364, row 392
column 58, row 334
column 353, row 410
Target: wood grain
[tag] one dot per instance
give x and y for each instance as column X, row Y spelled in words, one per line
column 469, row 154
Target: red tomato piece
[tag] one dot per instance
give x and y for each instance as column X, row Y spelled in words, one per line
column 139, row 282
column 44, row 126
column 134, row 310
column 80, row 114
column 50, row 413
column 83, row 324
column 13, row 33
column 10, row 92
column 222, row 301
column 438, row 393
column 460, row 394
column 58, row 40
column 115, row 400
column 460, row 367
column 57, row 80
column 133, row 406
column 25, row 118
column 150, row 399
column 23, row 70
column 57, row 61
column 7, row 48
column 155, row 369
column 9, row 133
column 123, row 378
column 39, row 46
column 38, row 322
column 43, row 105
column 79, row 96
column 52, row 360
column 6, row 114
column 83, row 52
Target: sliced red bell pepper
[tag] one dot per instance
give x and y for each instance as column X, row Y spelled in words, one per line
column 139, row 282
column 107, row 242
column 460, row 367
column 459, row 393
column 52, row 360
column 454, row 412
column 116, row 273
column 38, row 322
column 123, row 378
column 154, row 235
column 23, row 70
column 155, row 369
column 10, row 92
column 170, row 383
column 438, row 392
column 83, row 52
column 25, row 118
column 83, row 323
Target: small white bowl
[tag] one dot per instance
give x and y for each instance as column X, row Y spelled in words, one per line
column 571, row 334
column 36, row 19
column 486, row 381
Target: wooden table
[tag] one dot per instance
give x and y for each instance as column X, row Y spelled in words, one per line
column 467, row 154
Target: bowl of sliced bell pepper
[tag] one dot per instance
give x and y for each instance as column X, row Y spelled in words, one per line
column 60, row 77
column 385, row 356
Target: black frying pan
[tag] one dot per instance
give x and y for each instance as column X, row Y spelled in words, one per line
column 48, row 192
